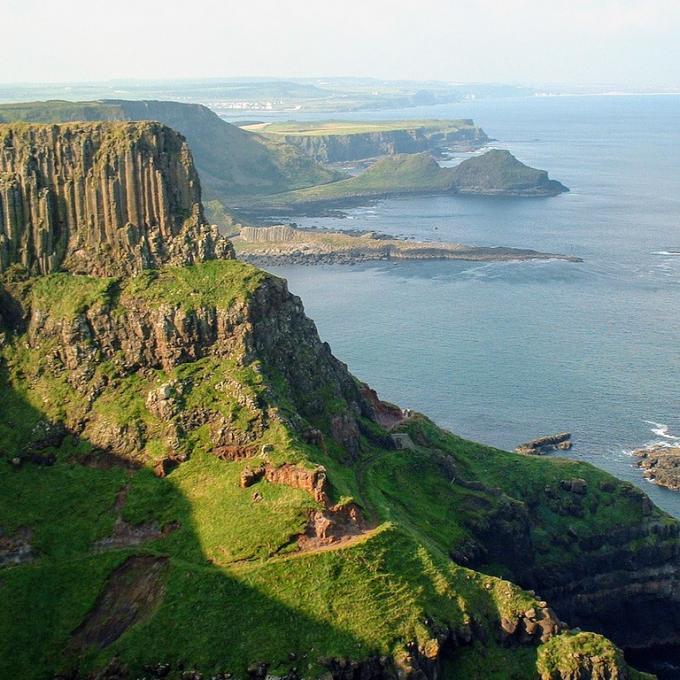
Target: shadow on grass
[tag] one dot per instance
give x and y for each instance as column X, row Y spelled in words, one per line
column 189, row 613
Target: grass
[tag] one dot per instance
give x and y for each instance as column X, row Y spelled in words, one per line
column 67, row 295
column 217, row 283
column 347, row 127
column 236, row 593
column 496, row 173
column 401, row 173
column 560, row 656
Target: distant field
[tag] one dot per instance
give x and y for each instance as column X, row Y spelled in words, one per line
column 342, row 127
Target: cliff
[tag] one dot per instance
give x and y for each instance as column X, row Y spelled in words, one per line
column 343, row 141
column 103, row 198
column 191, row 484
column 231, row 162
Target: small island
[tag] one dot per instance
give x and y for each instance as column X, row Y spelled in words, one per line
column 284, row 244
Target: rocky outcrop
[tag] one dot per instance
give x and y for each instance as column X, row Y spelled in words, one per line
column 132, row 593
column 131, row 334
column 623, row 583
column 273, row 234
column 499, row 173
column 100, row 198
column 541, row 445
column 661, row 464
column 296, row 477
column 283, row 244
column 16, row 548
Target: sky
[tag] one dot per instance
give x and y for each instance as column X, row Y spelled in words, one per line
column 631, row 43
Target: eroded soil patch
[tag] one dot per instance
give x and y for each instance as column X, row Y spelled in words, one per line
column 132, row 593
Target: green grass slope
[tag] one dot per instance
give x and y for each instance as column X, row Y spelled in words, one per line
column 494, row 173
column 215, row 579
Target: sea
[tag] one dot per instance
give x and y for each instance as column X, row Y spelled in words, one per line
column 504, row 352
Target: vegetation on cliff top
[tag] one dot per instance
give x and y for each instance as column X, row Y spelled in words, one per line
column 348, row 127
column 193, row 569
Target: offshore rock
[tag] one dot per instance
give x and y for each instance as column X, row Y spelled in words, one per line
column 100, row 198
column 543, row 445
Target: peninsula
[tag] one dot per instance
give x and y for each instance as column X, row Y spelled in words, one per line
column 494, row 173
column 283, row 244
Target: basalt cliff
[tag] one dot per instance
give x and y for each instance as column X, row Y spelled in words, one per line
column 100, row 198
column 192, row 486
column 338, row 142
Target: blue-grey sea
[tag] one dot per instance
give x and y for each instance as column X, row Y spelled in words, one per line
column 504, row 352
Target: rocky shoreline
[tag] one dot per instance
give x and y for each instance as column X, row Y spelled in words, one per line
column 661, row 465
column 282, row 244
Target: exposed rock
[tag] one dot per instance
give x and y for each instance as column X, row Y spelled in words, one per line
column 126, row 535
column 332, row 526
column 100, row 198
column 543, row 445
column 163, row 401
column 284, row 244
column 235, row 452
column 387, row 415
column 167, row 464
column 402, row 441
column 661, row 464
column 312, row 481
column 576, row 485
column 411, row 138
column 250, row 476
column 345, row 431
column 16, row 548
column 268, row 326
column 534, row 626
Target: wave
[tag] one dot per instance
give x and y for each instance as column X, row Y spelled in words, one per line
column 673, row 253
column 662, row 430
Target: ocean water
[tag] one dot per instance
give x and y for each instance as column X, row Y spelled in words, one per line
column 505, row 352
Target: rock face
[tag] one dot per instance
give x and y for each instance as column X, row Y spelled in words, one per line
column 100, row 198
column 267, row 325
column 339, row 148
column 661, row 464
column 561, row 442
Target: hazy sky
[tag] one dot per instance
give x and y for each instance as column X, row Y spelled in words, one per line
column 631, row 42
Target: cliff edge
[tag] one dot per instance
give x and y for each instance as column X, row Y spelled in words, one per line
column 100, row 198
